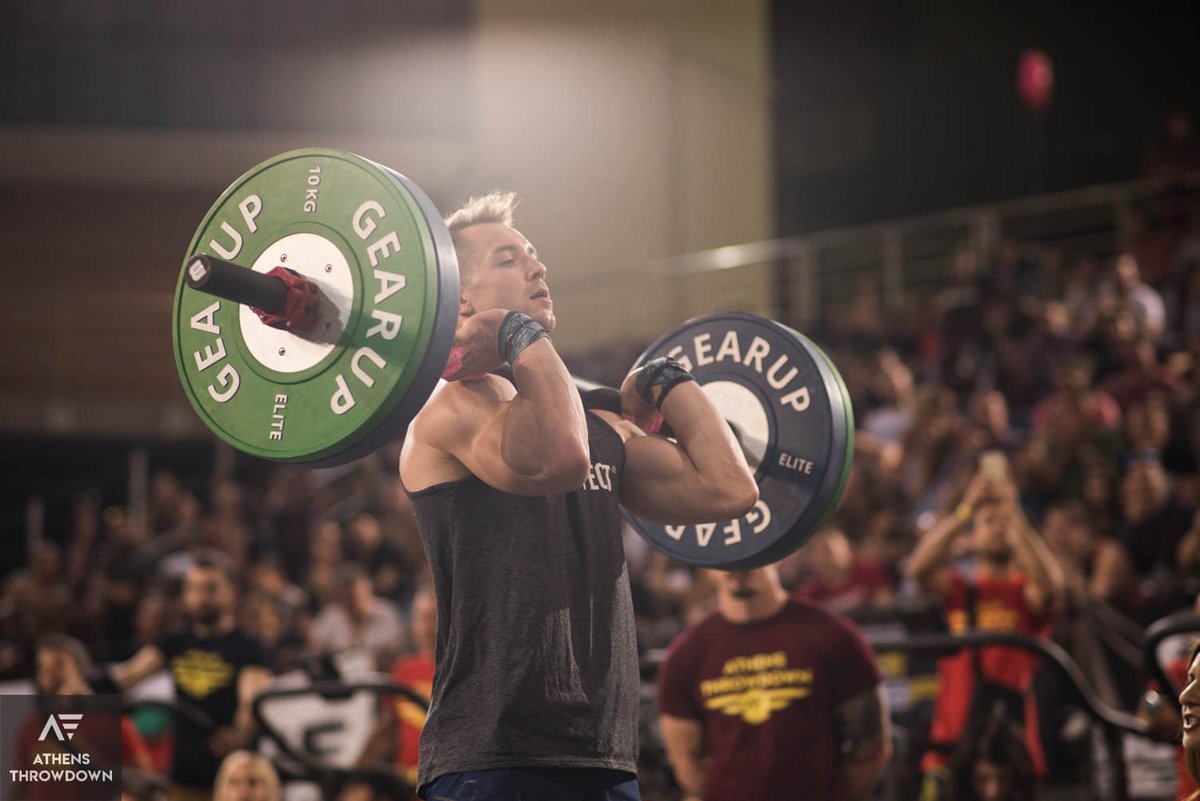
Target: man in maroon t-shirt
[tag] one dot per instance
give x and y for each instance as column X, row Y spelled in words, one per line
column 773, row 693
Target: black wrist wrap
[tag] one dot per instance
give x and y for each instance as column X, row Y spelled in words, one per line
column 658, row 377
column 517, row 332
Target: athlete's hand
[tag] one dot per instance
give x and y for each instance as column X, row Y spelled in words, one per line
column 475, row 352
column 634, row 407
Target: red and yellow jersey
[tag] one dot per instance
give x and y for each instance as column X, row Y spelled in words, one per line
column 1000, row 605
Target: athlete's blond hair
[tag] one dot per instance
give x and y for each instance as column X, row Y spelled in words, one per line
column 494, row 207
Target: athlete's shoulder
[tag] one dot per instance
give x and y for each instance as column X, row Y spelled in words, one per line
column 453, row 403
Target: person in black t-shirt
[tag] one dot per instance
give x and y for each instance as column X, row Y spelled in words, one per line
column 215, row 667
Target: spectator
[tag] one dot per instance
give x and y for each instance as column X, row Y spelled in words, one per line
column 1126, row 291
column 215, row 666
column 1185, row 297
column 1153, row 520
column 325, row 555
column 1137, row 373
column 63, row 665
column 1148, row 422
column 672, row 586
column 397, row 734
column 359, row 621
column 36, row 600
column 894, row 387
column 1097, row 572
column 1069, row 427
column 1046, row 347
column 276, row 612
column 289, row 512
column 988, row 423
column 169, row 502
column 1081, row 296
column 837, row 576
column 770, row 692
column 959, row 305
column 415, row 670
column 930, row 447
column 1015, row 584
column 1098, row 493
column 118, row 581
column 1094, row 566
column 266, row 621
column 105, row 740
column 85, row 534
column 993, row 764
column 268, row 580
column 152, row 619
column 245, row 776
column 1074, row 396
column 365, row 544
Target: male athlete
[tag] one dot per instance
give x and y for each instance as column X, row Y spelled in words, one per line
column 515, row 486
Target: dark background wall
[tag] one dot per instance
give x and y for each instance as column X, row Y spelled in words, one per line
column 890, row 107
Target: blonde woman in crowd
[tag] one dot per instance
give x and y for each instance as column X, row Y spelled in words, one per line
column 244, row 776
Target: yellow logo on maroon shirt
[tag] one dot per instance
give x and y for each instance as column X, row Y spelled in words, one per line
column 755, row 687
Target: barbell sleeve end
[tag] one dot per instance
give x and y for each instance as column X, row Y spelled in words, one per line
column 237, row 283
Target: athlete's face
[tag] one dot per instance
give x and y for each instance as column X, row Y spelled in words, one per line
column 501, row 270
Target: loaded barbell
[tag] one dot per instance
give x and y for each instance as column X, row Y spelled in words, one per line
column 316, row 309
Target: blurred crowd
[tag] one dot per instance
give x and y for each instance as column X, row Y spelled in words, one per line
column 1081, row 368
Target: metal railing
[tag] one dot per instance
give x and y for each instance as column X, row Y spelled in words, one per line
column 911, row 256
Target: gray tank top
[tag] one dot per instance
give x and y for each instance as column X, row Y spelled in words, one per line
column 536, row 647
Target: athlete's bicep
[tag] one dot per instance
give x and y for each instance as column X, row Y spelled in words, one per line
column 661, row 482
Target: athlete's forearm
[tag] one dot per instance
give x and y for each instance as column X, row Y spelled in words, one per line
column 709, row 443
column 545, row 430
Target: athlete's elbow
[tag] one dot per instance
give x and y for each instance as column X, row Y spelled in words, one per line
column 567, row 471
column 738, row 496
